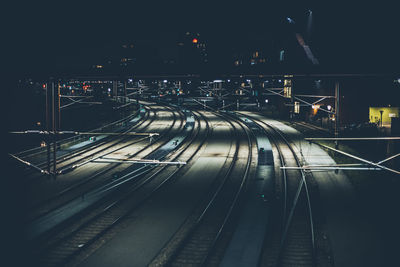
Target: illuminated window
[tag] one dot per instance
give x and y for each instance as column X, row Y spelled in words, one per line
column 297, row 107
column 287, row 83
column 287, row 91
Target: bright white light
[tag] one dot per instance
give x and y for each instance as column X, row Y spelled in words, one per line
column 248, row 81
column 130, row 80
column 280, row 81
column 109, row 89
column 315, row 107
column 266, row 100
column 290, row 20
column 229, row 81
column 165, row 81
column 329, row 107
column 218, row 81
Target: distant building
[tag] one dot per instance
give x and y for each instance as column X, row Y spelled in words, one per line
column 383, row 116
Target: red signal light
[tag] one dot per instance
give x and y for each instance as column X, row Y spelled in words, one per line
column 195, row 41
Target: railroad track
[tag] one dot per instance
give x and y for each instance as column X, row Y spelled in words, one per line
column 312, row 128
column 70, row 158
column 199, row 239
column 295, row 245
column 66, row 248
column 39, row 152
column 97, row 179
column 107, row 148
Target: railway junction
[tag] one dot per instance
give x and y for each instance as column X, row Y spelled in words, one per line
column 237, row 171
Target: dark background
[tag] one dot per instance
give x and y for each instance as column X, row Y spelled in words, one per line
column 45, row 37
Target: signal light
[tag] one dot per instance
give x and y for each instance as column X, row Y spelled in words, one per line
column 195, row 40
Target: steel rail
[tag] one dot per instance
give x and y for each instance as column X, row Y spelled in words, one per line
column 90, row 147
column 133, row 189
column 97, row 129
column 212, row 202
column 237, row 194
column 302, row 184
column 90, row 178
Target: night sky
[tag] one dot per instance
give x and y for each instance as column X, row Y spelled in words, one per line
column 345, row 37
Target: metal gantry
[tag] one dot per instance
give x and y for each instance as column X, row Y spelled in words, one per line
column 366, row 164
column 222, row 93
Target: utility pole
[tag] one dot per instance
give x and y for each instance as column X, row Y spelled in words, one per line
column 48, row 138
column 115, row 90
column 125, row 92
column 59, row 107
column 337, row 113
column 54, row 117
column 291, row 115
column 137, row 95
